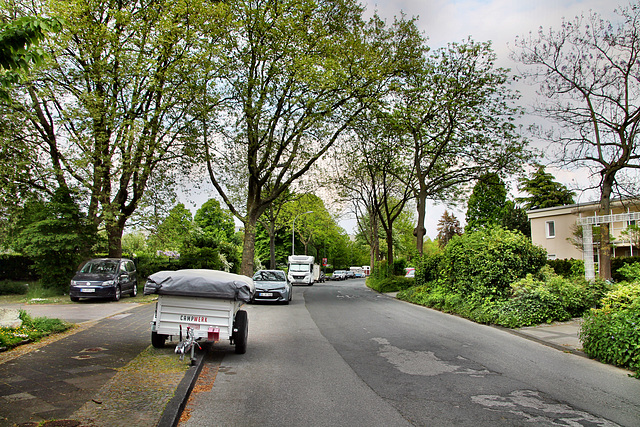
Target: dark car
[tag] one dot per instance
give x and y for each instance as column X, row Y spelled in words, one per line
column 105, row 278
column 272, row 285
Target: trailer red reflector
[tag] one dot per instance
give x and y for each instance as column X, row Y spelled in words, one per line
column 213, row 334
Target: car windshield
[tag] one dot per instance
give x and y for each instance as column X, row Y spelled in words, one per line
column 271, row 276
column 299, row 267
column 100, row 267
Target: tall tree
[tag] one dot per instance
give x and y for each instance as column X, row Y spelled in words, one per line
column 113, row 103
column 295, row 75
column 456, row 120
column 587, row 72
column 448, row 227
column 544, row 191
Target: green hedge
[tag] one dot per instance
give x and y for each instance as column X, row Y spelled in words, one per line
column 611, row 333
column 16, row 267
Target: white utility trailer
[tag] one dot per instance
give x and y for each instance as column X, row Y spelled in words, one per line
column 199, row 306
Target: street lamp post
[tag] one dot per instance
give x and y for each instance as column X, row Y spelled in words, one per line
column 293, row 233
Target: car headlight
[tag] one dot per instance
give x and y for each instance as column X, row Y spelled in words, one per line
column 109, row 283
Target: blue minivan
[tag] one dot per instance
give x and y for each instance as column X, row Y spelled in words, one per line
column 105, row 278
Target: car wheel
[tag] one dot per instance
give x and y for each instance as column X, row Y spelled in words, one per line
column 118, row 293
column 240, row 331
column 157, row 340
column 134, row 291
column 74, row 299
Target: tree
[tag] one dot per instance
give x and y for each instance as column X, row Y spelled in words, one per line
column 114, row 102
column 543, row 191
column 215, row 221
column 487, row 203
column 295, row 74
column 456, row 122
column 448, row 226
column 174, row 231
column 587, row 72
column 57, row 237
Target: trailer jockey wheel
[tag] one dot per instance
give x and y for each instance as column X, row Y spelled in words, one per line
column 240, row 330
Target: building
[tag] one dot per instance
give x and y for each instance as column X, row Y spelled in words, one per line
column 555, row 229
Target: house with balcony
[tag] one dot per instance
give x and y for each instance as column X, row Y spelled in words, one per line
column 555, row 229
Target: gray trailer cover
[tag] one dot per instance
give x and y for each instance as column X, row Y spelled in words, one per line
column 201, row 283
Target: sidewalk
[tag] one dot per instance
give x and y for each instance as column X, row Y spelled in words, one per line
column 101, row 373
column 560, row 335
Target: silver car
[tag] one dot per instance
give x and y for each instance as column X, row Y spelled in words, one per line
column 272, row 286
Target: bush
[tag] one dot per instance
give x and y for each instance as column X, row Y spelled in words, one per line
column 486, row 262
column 567, row 267
column 8, row 287
column 618, row 263
column 389, row 284
column 427, row 268
column 612, row 333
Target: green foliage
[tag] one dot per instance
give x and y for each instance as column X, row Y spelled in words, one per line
column 612, row 333
column 618, row 263
column 427, row 268
column 57, row 238
column 543, row 191
column 16, row 267
column 32, row 329
column 486, row 262
column 389, row 284
column 567, row 267
column 480, row 276
column 19, row 49
column 487, row 202
column 9, row 287
column 215, row 221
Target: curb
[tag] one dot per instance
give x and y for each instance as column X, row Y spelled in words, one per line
column 173, row 410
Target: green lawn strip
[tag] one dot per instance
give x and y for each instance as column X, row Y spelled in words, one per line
column 32, row 330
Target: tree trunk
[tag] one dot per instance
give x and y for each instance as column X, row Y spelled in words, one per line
column 248, row 249
column 604, row 261
column 420, row 231
column 389, row 233
column 272, row 246
column 114, row 238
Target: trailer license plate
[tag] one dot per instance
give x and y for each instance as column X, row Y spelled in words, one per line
column 266, row 294
column 87, row 290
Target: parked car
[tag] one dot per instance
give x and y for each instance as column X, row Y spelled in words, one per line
column 104, row 278
column 350, row 274
column 273, row 286
column 338, row 275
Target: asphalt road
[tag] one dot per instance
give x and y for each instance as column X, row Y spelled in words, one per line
column 341, row 354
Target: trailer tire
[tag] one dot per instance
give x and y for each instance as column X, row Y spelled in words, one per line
column 157, row 340
column 241, row 328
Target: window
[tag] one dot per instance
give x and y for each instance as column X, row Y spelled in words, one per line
column 551, row 229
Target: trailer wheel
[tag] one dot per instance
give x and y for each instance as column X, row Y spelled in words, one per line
column 157, row 340
column 240, row 331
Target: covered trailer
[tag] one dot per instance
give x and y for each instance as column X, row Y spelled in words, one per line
column 199, row 306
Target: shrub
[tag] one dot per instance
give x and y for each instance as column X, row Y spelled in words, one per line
column 428, row 268
column 389, row 284
column 618, row 263
column 567, row 267
column 486, row 262
column 613, row 335
column 8, row 287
